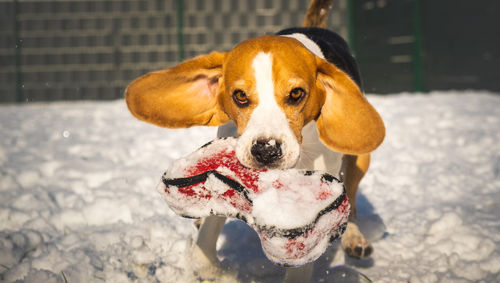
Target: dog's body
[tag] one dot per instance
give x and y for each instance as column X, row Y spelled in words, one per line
column 294, row 100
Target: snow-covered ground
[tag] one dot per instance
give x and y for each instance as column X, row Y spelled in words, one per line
column 78, row 198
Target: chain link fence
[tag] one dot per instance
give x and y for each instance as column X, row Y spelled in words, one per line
column 90, row 49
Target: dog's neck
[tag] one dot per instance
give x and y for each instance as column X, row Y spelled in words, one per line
column 308, row 43
column 315, row 155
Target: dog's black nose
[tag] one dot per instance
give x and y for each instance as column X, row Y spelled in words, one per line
column 266, row 152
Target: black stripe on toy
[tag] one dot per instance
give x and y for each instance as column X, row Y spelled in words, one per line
column 187, row 181
column 296, row 232
column 233, row 184
column 329, row 178
column 271, row 231
column 193, row 180
column 210, row 142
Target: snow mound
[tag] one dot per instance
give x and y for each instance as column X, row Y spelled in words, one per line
column 429, row 203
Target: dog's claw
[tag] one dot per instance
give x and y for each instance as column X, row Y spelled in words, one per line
column 359, row 251
column 362, row 251
column 368, row 251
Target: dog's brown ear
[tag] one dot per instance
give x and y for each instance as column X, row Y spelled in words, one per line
column 348, row 123
column 180, row 97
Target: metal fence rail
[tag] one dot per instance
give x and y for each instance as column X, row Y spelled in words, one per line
column 90, row 49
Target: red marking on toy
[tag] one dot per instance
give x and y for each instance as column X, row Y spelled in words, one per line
column 294, row 246
column 344, row 207
column 277, row 184
column 294, row 212
column 248, row 176
column 323, row 195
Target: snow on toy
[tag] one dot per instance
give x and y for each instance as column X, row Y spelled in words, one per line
column 296, row 213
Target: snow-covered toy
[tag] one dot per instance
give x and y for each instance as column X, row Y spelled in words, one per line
column 296, row 213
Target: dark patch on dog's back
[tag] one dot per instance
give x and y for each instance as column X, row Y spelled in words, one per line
column 333, row 47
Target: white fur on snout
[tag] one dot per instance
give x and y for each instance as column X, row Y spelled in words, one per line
column 267, row 121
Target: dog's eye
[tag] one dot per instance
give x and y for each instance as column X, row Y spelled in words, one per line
column 296, row 95
column 240, row 98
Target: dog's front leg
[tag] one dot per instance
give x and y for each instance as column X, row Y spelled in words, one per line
column 205, row 259
column 205, row 262
column 300, row 274
column 354, row 242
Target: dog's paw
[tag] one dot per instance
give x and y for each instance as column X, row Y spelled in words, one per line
column 204, row 268
column 210, row 270
column 354, row 243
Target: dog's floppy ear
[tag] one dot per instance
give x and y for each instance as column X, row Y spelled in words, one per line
column 348, row 123
column 180, row 97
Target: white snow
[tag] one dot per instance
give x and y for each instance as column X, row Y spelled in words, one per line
column 78, row 198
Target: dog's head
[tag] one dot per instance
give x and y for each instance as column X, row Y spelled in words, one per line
column 271, row 87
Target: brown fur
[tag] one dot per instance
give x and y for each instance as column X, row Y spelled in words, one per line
column 348, row 123
column 317, row 13
column 199, row 92
column 353, row 241
column 180, row 97
column 286, row 75
column 355, row 167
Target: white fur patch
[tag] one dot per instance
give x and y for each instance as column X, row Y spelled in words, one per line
column 268, row 121
column 315, row 155
column 308, row 43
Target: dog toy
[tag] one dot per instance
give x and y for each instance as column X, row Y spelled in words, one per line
column 296, row 213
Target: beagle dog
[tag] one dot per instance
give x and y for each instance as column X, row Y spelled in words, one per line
column 294, row 99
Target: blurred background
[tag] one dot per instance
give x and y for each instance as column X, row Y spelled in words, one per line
column 90, row 49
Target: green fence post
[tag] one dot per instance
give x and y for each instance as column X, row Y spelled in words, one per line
column 418, row 82
column 180, row 30
column 17, row 53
